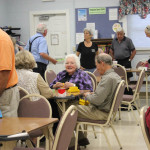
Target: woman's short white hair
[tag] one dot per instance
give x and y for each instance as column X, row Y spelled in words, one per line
column 120, row 29
column 147, row 29
column 88, row 30
column 41, row 28
column 76, row 58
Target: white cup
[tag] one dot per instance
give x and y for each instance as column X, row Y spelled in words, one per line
column 115, row 62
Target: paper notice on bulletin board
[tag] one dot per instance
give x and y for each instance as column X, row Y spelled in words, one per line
column 113, row 14
column 82, row 15
column 91, row 26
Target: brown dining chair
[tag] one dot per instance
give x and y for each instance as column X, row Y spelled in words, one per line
column 103, row 123
column 121, row 71
column 96, row 73
column 94, row 80
column 22, row 92
column 65, row 131
column 50, row 75
column 39, row 108
column 144, row 127
column 130, row 100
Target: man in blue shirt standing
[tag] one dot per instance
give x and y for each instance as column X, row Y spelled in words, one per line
column 37, row 45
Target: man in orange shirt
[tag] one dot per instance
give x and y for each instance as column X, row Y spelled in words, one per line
column 9, row 94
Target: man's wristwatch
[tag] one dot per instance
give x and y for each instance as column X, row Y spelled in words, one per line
column 129, row 59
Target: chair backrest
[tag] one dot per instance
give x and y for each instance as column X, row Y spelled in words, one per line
column 40, row 108
column 65, row 129
column 139, row 64
column 144, row 126
column 139, row 82
column 121, row 71
column 93, row 78
column 50, row 75
column 96, row 73
column 117, row 99
column 22, row 92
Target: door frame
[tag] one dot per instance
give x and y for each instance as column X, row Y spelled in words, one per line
column 52, row 12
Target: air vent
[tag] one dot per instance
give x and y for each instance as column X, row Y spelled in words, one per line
column 43, row 17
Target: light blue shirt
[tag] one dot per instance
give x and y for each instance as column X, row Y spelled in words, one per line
column 39, row 45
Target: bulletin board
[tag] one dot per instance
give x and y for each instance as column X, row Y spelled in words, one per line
column 103, row 18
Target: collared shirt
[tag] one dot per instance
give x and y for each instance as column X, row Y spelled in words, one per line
column 39, row 45
column 81, row 78
column 104, row 94
column 123, row 49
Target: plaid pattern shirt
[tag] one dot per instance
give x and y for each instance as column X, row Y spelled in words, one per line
column 80, row 78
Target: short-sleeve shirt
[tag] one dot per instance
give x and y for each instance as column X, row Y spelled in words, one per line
column 88, row 54
column 123, row 49
column 39, row 45
column 7, row 58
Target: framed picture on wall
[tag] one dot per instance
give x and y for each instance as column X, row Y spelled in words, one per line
column 54, row 39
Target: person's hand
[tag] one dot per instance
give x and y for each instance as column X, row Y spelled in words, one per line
column 20, row 47
column 67, row 85
column 54, row 61
column 144, row 63
column 58, row 85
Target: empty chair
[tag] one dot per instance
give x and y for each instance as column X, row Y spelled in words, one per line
column 40, row 108
column 144, row 128
column 130, row 100
column 64, row 131
column 103, row 123
column 50, row 75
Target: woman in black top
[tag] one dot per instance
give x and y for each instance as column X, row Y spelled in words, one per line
column 88, row 51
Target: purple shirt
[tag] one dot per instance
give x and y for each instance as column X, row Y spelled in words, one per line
column 81, row 78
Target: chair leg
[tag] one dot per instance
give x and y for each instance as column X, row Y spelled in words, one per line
column 137, row 107
column 116, row 136
column 134, row 116
column 94, row 132
column 76, row 137
column 106, row 138
column 119, row 113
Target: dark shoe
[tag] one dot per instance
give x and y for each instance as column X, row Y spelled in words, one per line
column 83, row 142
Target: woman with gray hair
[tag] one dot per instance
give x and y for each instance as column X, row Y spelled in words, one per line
column 88, row 51
column 72, row 76
column 29, row 80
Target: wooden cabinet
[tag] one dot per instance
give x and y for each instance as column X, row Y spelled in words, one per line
column 103, row 44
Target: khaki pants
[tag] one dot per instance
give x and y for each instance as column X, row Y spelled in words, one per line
column 9, row 102
column 91, row 112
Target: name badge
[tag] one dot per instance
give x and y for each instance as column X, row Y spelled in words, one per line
column 93, row 50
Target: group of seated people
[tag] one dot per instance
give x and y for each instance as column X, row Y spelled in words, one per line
column 100, row 100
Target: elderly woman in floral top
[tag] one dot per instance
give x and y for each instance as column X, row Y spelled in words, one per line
column 72, row 76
